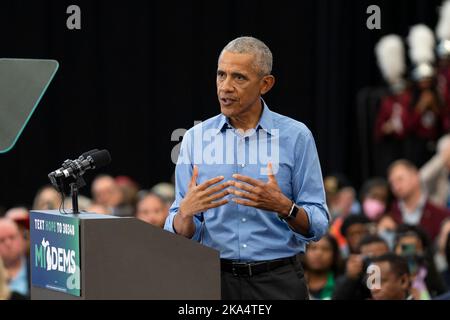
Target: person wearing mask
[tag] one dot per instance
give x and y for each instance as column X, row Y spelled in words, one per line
column 374, row 198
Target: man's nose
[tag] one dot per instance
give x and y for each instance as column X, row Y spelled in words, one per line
column 226, row 85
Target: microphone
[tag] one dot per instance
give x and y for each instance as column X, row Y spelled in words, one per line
column 88, row 153
column 72, row 170
column 67, row 163
column 92, row 159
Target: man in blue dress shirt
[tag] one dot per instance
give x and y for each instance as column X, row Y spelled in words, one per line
column 249, row 183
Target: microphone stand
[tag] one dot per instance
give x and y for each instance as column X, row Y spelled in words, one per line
column 74, row 194
column 74, row 187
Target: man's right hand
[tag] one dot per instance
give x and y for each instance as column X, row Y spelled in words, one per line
column 199, row 198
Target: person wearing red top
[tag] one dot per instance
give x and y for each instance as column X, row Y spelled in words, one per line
column 392, row 123
column 412, row 205
column 426, row 106
column 393, row 117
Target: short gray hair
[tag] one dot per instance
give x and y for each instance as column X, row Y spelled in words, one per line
column 263, row 55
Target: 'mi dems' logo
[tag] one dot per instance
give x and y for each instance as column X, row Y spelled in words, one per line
column 53, row 258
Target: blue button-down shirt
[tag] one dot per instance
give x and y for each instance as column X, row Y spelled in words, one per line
column 241, row 232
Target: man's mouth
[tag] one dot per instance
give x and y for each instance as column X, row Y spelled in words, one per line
column 227, row 101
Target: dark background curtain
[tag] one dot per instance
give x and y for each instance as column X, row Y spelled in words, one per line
column 138, row 70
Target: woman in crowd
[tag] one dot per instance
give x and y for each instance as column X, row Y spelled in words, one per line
column 322, row 266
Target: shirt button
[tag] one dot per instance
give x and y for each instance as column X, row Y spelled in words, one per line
column 244, row 246
column 243, row 219
column 242, row 165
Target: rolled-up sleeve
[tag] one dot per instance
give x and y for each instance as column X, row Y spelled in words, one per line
column 183, row 174
column 308, row 188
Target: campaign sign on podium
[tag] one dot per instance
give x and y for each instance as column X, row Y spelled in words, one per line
column 55, row 252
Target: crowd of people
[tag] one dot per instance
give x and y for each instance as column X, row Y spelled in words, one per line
column 389, row 241
column 401, row 224
column 394, row 223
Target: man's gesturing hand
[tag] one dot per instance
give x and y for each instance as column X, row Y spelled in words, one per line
column 202, row 197
column 258, row 194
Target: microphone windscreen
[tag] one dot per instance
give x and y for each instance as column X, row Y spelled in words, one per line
column 101, row 158
column 89, row 153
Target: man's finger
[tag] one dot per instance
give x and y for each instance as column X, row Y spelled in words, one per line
column 243, row 194
column 193, row 181
column 249, row 180
column 216, row 188
column 217, row 196
column 242, row 186
column 217, row 204
column 210, row 182
column 243, row 202
column 270, row 174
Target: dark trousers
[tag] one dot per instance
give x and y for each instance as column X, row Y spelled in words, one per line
column 283, row 283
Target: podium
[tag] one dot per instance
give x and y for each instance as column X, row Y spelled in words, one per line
column 116, row 258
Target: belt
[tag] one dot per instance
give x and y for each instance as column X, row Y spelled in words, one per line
column 253, row 268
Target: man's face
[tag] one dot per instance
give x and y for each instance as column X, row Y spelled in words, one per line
column 403, row 181
column 386, row 223
column 152, row 210
column 239, row 85
column 106, row 192
column 354, row 235
column 344, row 201
column 392, row 286
column 12, row 244
column 49, row 199
column 319, row 255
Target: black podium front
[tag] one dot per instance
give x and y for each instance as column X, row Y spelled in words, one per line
column 119, row 258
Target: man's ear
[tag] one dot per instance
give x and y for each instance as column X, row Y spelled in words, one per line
column 405, row 282
column 267, row 83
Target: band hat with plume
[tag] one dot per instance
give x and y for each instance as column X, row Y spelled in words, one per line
column 390, row 53
column 443, row 30
column 421, row 51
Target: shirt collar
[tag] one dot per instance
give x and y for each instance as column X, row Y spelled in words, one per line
column 419, row 207
column 265, row 122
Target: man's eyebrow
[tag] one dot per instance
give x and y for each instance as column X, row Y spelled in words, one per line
column 239, row 74
column 233, row 74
